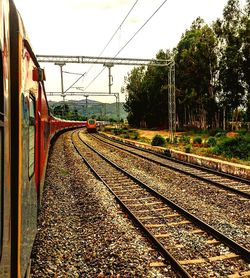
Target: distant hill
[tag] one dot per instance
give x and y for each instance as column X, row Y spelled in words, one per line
column 93, row 108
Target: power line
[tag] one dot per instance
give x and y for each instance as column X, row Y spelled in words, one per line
column 81, row 75
column 75, row 82
column 104, row 48
column 94, row 78
column 129, row 40
column 73, row 72
column 118, row 28
column 109, row 43
column 140, row 28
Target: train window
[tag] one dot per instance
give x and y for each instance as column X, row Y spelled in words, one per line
column 91, row 122
column 31, row 135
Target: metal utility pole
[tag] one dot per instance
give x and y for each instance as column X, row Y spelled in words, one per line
column 171, row 101
column 105, row 111
column 117, row 106
column 109, row 66
column 110, row 62
column 61, row 64
column 86, row 103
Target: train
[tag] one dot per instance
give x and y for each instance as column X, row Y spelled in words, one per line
column 26, row 131
column 91, row 125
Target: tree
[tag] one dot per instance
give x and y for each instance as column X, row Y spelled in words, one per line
column 147, row 95
column 245, row 36
column 195, row 74
column 155, row 87
column 58, row 110
column 136, row 99
column 230, row 66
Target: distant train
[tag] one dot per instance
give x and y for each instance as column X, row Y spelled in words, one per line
column 26, row 129
column 91, row 125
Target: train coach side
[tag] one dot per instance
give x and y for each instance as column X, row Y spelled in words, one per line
column 5, row 200
column 26, row 130
column 26, row 86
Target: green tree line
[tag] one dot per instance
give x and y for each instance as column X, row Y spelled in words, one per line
column 212, row 65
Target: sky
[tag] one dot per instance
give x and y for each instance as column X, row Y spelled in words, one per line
column 84, row 27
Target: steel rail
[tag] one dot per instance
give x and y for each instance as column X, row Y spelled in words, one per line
column 207, row 180
column 245, row 253
column 230, row 176
column 159, row 247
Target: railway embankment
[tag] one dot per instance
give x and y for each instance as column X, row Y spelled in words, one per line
column 235, row 169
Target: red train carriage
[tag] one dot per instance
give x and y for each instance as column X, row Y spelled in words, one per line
column 5, row 202
column 26, row 129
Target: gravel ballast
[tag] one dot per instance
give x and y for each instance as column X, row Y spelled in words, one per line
column 227, row 213
column 82, row 231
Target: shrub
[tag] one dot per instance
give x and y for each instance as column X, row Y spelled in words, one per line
column 219, row 134
column 197, row 140
column 117, row 131
column 242, row 131
column 168, row 140
column 214, row 131
column 185, row 139
column 211, row 142
column 135, row 135
column 188, row 148
column 125, row 135
column 158, row 140
column 238, row 147
column 175, row 140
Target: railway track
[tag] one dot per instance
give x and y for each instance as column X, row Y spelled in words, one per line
column 235, row 185
column 194, row 248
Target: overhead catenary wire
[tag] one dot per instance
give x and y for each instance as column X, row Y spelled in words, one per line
column 119, row 27
column 140, row 28
column 75, row 73
column 107, row 44
column 75, row 82
column 92, row 81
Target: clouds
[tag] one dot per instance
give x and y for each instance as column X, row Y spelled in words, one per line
column 100, row 5
column 83, row 27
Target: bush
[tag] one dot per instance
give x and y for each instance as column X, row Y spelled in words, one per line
column 158, row 140
column 175, row 140
column 168, row 140
column 188, row 148
column 238, row 147
column 125, row 135
column 197, row 140
column 220, row 134
column 117, row 131
column 135, row 135
column 211, row 142
column 242, row 132
column 185, row 139
column 214, row 131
